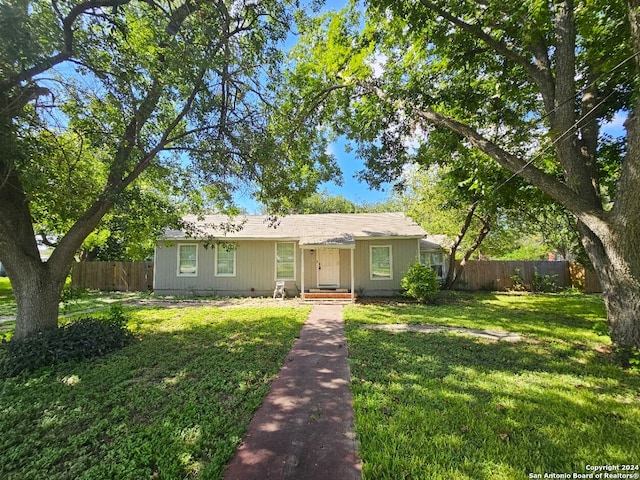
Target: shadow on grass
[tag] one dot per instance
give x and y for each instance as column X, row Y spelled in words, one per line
column 445, row 406
column 174, row 405
column 563, row 317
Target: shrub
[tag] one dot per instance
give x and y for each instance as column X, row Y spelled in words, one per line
column 518, row 281
column 72, row 294
column 421, row 283
column 539, row 284
column 84, row 338
column 544, row 283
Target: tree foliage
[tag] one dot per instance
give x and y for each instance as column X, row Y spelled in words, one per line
column 122, row 106
column 526, row 85
column 323, row 202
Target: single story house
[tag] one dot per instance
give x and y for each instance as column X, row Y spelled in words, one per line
column 314, row 255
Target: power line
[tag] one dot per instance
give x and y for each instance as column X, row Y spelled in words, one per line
column 569, row 130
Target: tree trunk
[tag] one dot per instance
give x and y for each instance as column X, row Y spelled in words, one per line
column 455, row 271
column 452, row 271
column 37, row 285
column 618, row 268
column 37, row 294
column 622, row 297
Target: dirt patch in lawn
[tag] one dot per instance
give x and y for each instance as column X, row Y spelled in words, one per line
column 217, row 302
column 492, row 335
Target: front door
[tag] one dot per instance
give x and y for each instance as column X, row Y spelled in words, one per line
column 328, row 268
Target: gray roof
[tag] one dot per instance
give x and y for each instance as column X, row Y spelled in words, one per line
column 435, row 243
column 317, row 229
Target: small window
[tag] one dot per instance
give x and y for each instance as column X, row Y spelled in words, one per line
column 188, row 260
column 285, row 261
column 380, row 257
column 225, row 260
column 435, row 260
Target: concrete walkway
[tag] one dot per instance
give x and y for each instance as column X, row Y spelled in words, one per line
column 304, row 428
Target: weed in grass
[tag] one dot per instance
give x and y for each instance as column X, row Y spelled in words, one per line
column 446, row 406
column 175, row 404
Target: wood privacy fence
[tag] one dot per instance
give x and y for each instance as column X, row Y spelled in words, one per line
column 498, row 275
column 477, row 275
column 121, row 276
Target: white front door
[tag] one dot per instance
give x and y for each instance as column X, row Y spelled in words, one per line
column 328, row 266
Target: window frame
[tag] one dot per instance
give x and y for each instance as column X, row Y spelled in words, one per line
column 426, row 259
column 179, row 273
column 293, row 245
column 232, row 249
column 371, row 274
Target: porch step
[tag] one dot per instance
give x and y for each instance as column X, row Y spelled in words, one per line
column 328, row 290
column 331, row 296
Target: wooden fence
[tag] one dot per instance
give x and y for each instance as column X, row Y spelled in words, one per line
column 477, row 275
column 498, row 275
column 585, row 280
column 121, row 276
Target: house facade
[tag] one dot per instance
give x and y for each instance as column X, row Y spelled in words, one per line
column 312, row 254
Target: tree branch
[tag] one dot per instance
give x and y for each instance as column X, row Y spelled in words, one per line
column 67, row 48
column 164, row 141
column 452, row 271
column 45, row 240
column 582, row 208
column 116, row 183
column 537, row 71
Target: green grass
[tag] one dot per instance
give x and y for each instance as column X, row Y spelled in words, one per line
column 173, row 405
column 5, row 289
column 6, row 295
column 96, row 300
column 446, row 406
column 86, row 301
column 7, row 305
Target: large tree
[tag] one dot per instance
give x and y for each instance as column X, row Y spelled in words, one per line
column 135, row 87
column 528, row 83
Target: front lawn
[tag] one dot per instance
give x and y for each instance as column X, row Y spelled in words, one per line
column 74, row 299
column 5, row 289
column 173, row 405
column 446, row 406
column 7, row 306
column 6, row 293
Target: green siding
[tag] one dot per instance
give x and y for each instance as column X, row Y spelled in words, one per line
column 255, row 269
column 403, row 253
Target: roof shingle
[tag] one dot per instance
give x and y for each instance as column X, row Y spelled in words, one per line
column 329, row 228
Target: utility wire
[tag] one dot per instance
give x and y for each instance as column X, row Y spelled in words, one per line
column 567, row 131
column 548, row 147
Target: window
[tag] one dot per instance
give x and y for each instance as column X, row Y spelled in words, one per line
column 435, row 260
column 225, row 260
column 380, row 257
column 285, row 261
column 188, row 260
